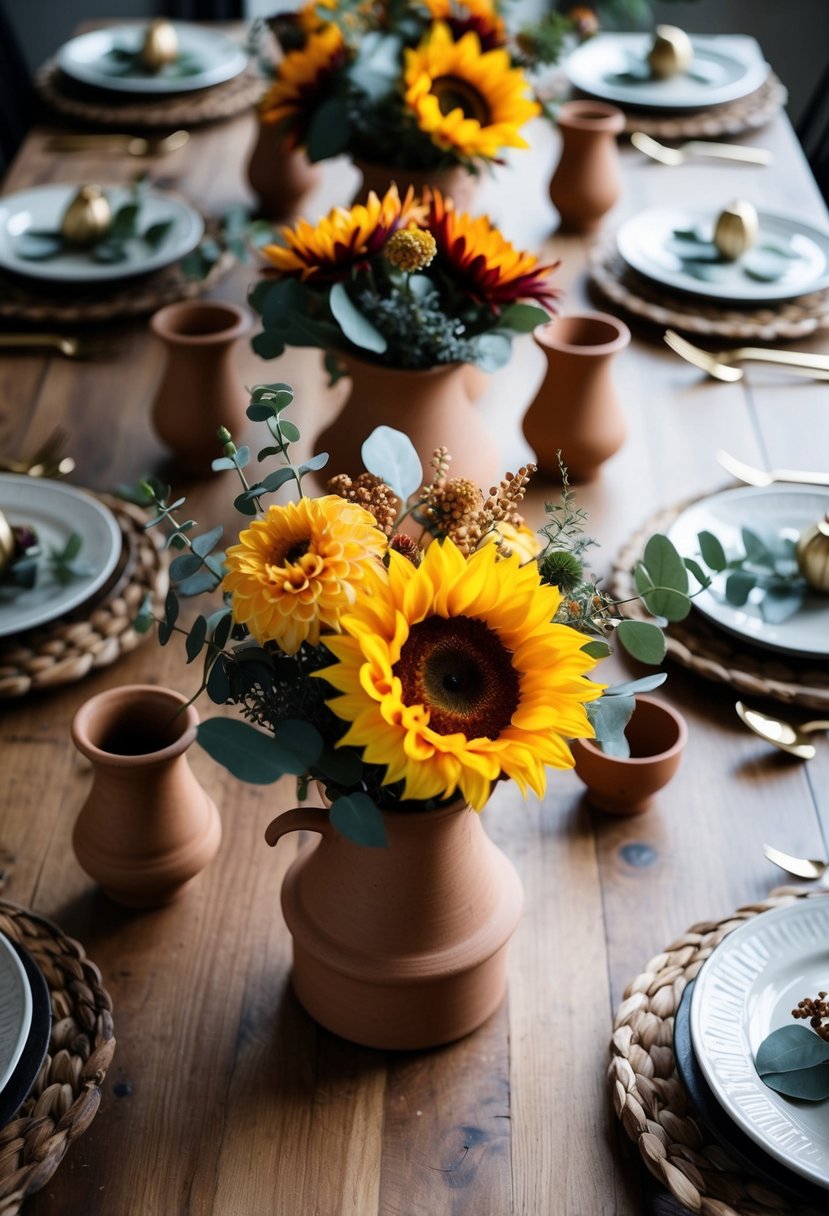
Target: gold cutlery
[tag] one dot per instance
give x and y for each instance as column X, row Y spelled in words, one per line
column 698, row 147
column 719, row 364
column 133, row 145
column 71, row 347
column 800, row 867
column 780, row 733
column 761, row 477
column 46, row 461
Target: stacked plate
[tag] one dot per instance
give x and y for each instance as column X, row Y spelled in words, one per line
column 25, row 1025
column 746, row 989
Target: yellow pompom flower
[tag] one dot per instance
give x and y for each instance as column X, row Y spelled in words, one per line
column 452, row 674
column 296, row 571
column 411, row 249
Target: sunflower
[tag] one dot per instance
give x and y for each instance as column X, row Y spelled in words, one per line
column 303, row 78
column 451, row 674
column 295, row 571
column 481, row 16
column 344, row 239
column 483, row 264
column 468, row 101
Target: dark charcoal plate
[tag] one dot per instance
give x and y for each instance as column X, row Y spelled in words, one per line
column 16, row 1089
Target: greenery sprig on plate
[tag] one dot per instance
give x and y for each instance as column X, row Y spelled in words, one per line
column 767, row 569
column 794, row 1061
column 766, row 262
column 117, row 231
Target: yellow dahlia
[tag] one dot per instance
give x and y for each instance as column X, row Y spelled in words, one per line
column 468, row 101
column 451, row 674
column 482, row 262
column 464, row 15
column 344, row 239
column 296, row 571
column 303, row 78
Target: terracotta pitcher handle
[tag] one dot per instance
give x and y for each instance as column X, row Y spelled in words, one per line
column 300, row 819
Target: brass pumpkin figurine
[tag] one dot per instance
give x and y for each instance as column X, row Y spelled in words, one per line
column 736, row 229
column 671, row 52
column 87, row 218
column 160, row 45
column 813, row 555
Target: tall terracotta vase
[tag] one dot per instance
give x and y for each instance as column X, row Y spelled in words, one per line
column 400, row 947
column 200, row 389
column 577, row 409
column 147, row 827
column 432, row 407
column 587, row 180
column 282, row 178
column 456, row 182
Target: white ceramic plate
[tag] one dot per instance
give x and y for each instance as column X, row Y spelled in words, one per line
column 208, row 57
column 55, row 511
column 15, row 1009
column 614, row 68
column 746, row 989
column 797, row 252
column 782, row 509
column 42, row 208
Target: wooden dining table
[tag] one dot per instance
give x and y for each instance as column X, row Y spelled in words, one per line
column 224, row 1098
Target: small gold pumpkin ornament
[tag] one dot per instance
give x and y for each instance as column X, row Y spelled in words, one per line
column 736, row 229
column 7, row 544
column 813, row 555
column 87, row 218
column 160, row 45
column 671, row 52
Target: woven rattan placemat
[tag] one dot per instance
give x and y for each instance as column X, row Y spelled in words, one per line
column 101, row 108
column 96, row 633
column 67, row 1091
column 696, row 315
column 712, row 653
column 650, row 1100
column 745, row 114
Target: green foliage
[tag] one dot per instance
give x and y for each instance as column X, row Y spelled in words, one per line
column 391, row 455
column 114, row 246
column 794, row 1061
column 765, row 571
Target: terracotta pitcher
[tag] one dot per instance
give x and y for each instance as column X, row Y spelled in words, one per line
column 587, row 180
column 200, row 389
column 281, row 177
column 576, row 408
column 432, row 407
column 147, row 827
column 455, row 182
column 405, row 946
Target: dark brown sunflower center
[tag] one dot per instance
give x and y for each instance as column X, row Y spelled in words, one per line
column 461, row 672
column 289, row 554
column 453, row 93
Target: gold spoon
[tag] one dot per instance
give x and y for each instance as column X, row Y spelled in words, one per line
column 801, row 867
column 780, row 733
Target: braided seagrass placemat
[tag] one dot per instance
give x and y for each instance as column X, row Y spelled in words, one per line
column 788, row 320
column 98, row 632
column 710, row 652
column 67, row 1091
column 734, row 118
column 101, row 108
column 651, row 1102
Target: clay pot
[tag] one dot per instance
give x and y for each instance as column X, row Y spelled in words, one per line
column 200, row 389
column 576, row 408
column 625, row 785
column 147, row 827
column 456, row 182
column 281, row 177
column 432, row 407
column 587, row 180
column 400, row 947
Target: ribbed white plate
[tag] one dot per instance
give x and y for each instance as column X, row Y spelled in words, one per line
column 15, row 1010
column 746, row 989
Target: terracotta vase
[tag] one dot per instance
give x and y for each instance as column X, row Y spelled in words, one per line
column 282, row 178
column 625, row 785
column 456, row 182
column 576, row 409
column 147, row 827
column 405, row 946
column 200, row 388
column 587, row 180
column 432, row 407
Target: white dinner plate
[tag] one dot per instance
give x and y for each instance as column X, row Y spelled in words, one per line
column 746, row 989
column 207, row 57
column 796, row 251
column 614, row 68
column 784, row 510
column 42, row 207
column 56, row 510
column 15, row 1009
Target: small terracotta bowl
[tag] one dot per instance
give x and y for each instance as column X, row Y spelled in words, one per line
column 624, row 785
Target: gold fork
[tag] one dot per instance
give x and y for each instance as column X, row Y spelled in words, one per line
column 46, row 461
column 719, row 364
column 698, row 147
column 71, row 347
column 133, row 145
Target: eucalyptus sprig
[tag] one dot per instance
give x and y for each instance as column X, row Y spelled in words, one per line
column 41, row 245
column 794, row 1061
column 765, row 569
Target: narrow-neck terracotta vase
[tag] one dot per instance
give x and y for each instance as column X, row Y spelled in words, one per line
column 432, row 407
column 282, row 178
column 587, row 180
column 576, row 409
column 200, row 389
column 455, row 182
column 147, row 827
column 405, row 946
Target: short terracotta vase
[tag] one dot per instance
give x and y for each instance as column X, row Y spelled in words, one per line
column 401, row 947
column 625, row 785
column 587, row 180
column 281, row 177
column 147, row 827
column 456, row 182
column 576, row 410
column 200, row 389
column 432, row 407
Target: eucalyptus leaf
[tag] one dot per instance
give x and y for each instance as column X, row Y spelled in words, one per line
column 144, row 621
column 156, row 234
column 790, row 1048
column 38, row 246
column 712, row 551
column 781, row 602
column 810, row 1084
column 204, row 544
column 523, row 318
column 738, row 587
column 664, row 564
column 597, row 649
column 631, row 687
column 391, row 456
column 196, row 639
column 356, row 816
column 491, row 351
column 182, row 567
column 699, row 574
column 314, row 463
column 277, row 478
column 254, row 756
column 642, row 640
column 757, row 551
column 328, row 130
column 198, row 583
column 218, row 685
column 672, row 605
column 356, row 327
column 609, row 716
